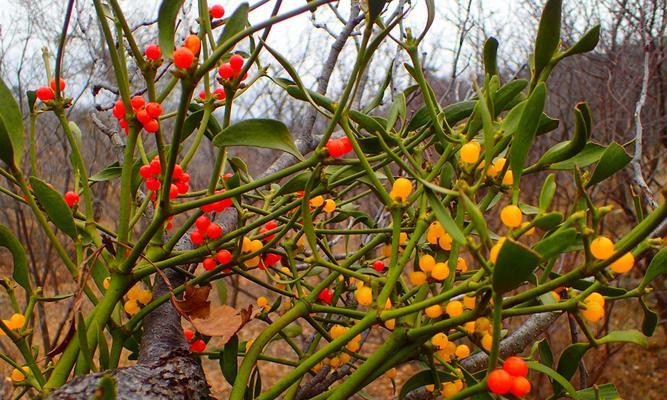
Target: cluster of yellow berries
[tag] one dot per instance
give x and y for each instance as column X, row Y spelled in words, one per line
column 437, row 235
column 436, row 270
column 453, row 308
column 602, row 248
column 342, row 358
column 496, row 168
column 19, row 375
column 401, row 189
column 448, row 350
column 13, row 323
column 594, row 307
column 448, row 389
column 263, row 303
column 317, row 201
column 363, row 294
column 251, row 246
column 135, row 296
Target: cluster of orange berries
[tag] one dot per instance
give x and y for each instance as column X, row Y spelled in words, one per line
column 328, row 205
column 448, row 350
column 196, row 345
column 602, row 248
column 135, row 296
column 341, row 358
column 594, row 307
column 511, row 378
column 146, row 114
column 233, row 68
column 437, row 271
column 453, row 308
column 469, row 154
column 48, row 93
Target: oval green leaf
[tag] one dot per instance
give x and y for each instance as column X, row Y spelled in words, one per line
column 166, row 23
column 514, row 265
column 265, row 133
column 55, row 207
column 11, row 127
column 21, row 273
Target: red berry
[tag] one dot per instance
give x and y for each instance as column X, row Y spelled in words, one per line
column 499, row 381
column 202, row 223
column 378, row 266
column 515, row 366
column 271, row 225
column 137, row 102
column 193, row 43
column 209, row 263
column 347, row 144
column 219, row 94
column 156, row 168
column 226, row 71
column 152, row 184
column 178, row 171
column 145, row 171
column 325, row 296
column 119, row 110
column 173, row 191
column 196, row 237
column 227, row 176
column 223, row 256
column 236, row 62
column 213, row 231
column 271, row 259
column 185, row 178
column 71, row 198
column 336, row 148
column 62, row 85
column 44, row 93
column 183, row 57
column 153, row 52
column 202, row 95
column 198, row 346
column 216, row 11
column 520, row 386
column 189, row 334
column 152, row 126
column 154, row 109
column 123, row 124
column 182, row 187
column 143, row 116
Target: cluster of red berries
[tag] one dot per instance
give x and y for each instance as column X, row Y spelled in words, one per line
column 216, row 11
column 269, row 260
column 151, row 173
column 71, row 198
column 511, row 378
column 338, row 147
column 268, row 227
column 206, row 229
column 146, row 114
column 197, row 345
column 218, row 94
column 48, row 93
column 222, row 257
column 217, row 206
column 185, row 55
column 233, row 68
column 325, row 296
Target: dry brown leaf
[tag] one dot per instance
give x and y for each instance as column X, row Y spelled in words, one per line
column 195, row 303
column 224, row 321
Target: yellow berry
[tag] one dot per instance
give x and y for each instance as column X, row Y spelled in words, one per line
column 134, row 292
column 19, row 375
column 245, row 245
column 401, row 189
column 344, row 358
column 262, row 302
column 454, row 308
column 387, row 304
column 316, row 201
column 595, row 297
column 15, row 321
column 417, row 278
column 530, row 231
column 462, row 351
column 493, row 253
column 458, row 382
column 487, row 341
column 426, row 263
column 329, row 206
column 433, row 311
column 364, row 296
column 482, row 324
column 469, row 152
column 131, row 307
column 337, row 330
column 255, row 246
column 440, row 271
column 145, row 297
column 106, row 282
column 593, row 312
column 252, row 262
column 440, row 340
column 391, row 374
column 435, row 230
column 469, row 302
column 402, row 238
column 469, row 327
column 461, row 265
column 390, row 324
column 623, row 264
column 508, row 179
column 511, row 216
column 449, row 389
column 445, row 241
column 602, row 248
column 353, row 346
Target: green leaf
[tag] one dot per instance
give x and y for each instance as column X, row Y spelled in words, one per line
column 476, row 218
column 166, row 23
column 590, row 154
column 490, row 56
column 650, row 319
column 568, row 149
column 657, row 266
column 487, row 126
column 606, row 391
column 613, row 160
column 569, row 361
column 265, row 133
column 293, row 330
column 555, row 376
column 421, row 379
column 513, row 266
column 11, row 127
column 556, row 243
column 375, row 8
column 546, row 355
column 627, row 336
column 548, row 191
column 54, row 205
column 548, row 35
column 235, row 23
column 221, row 288
column 295, row 183
column 228, row 361
column 548, row 221
column 110, row 172
column 443, row 215
column 525, row 133
column 587, row 43
column 21, row 274
column 372, row 145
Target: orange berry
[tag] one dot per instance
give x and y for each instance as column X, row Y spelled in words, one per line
column 440, row 340
column 131, row 307
column 487, row 342
column 515, row 366
column 461, row 265
column 445, row 241
column 106, row 282
column 449, row 389
column 482, row 324
column 433, row 311
column 623, row 264
column 440, row 271
column 53, row 86
column 329, row 206
column 262, row 302
column 337, row 330
column 15, row 321
column 426, row 263
column 417, row 278
column 493, row 253
column 508, row 179
column 390, row 324
column 454, row 308
column 364, row 296
column 145, row 297
column 511, row 216
column 530, row 231
column 593, row 312
column 469, row 327
column 595, row 297
column 353, row 346
column 469, row 302
column 20, row 375
column 401, row 189
column 402, row 238
column 602, row 248
column 499, row 381
column 520, row 386
column 462, row 351
column 316, row 201
column 193, row 43
column 469, row 152
column 435, row 230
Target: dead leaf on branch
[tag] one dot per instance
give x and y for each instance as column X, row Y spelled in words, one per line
column 195, row 303
column 224, row 321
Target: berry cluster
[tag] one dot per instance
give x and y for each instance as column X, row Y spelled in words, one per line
column 71, row 198
column 135, row 296
column 337, row 148
column 205, row 229
column 196, row 345
column 218, row 94
column 13, row 323
column 48, row 93
column 185, row 55
column 152, row 171
column 511, row 378
column 594, row 307
column 146, row 114
column 217, row 206
column 232, row 69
